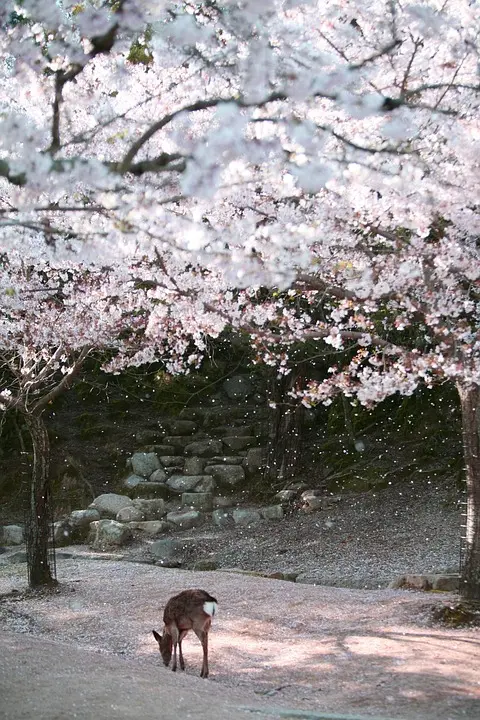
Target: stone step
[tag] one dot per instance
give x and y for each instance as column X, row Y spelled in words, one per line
column 438, row 583
column 236, row 442
column 147, row 490
column 178, row 427
column 149, row 528
column 226, row 460
column 187, row 483
column 229, row 430
column 172, row 460
column 198, row 501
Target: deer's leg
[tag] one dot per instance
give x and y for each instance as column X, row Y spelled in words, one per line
column 203, row 637
column 175, row 638
column 204, row 641
column 182, row 635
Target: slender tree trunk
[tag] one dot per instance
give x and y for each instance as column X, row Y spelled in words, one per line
column 284, row 446
column 470, row 404
column 38, row 519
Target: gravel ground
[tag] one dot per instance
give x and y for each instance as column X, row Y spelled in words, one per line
column 338, row 650
column 362, row 541
column 370, row 652
column 358, row 541
column 66, row 681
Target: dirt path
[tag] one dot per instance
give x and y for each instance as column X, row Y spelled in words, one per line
column 285, row 645
column 45, row 680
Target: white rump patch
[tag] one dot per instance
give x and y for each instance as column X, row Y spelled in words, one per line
column 210, row 608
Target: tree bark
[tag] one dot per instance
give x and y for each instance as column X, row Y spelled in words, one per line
column 38, row 518
column 284, row 446
column 470, row 404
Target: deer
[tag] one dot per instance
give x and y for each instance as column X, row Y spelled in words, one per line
column 189, row 610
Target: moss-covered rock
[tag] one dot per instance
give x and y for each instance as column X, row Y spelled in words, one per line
column 457, row 614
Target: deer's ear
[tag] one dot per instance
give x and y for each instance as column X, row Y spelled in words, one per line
column 156, row 636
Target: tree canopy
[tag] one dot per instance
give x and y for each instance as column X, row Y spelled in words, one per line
column 300, row 170
column 197, row 148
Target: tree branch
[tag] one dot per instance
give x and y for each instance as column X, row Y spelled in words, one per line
column 40, row 376
column 55, row 144
column 352, row 335
column 65, row 383
column 309, row 282
column 157, row 164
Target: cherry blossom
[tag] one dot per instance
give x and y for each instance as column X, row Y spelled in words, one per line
column 180, row 157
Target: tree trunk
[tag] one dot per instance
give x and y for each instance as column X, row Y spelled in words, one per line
column 284, row 446
column 470, row 403
column 38, row 518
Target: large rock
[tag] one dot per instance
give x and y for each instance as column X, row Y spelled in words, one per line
column 235, row 442
column 221, row 430
column 178, row 442
column 170, row 552
column 132, row 481
column 160, row 450
column 222, row 517
column 109, row 504
column 221, row 501
column 286, row 496
column 198, row 501
column 74, row 529
column 238, row 387
column 63, row 533
column 187, row 483
column 151, row 509
column 446, row 583
column 174, row 504
column 149, row 528
column 312, row 500
column 194, row 465
column 172, row 460
column 83, row 518
column 226, row 475
column 130, row 514
column 144, row 464
column 204, row 448
column 260, row 430
column 152, row 490
column 147, row 437
column 246, row 516
column 413, row 582
column 226, row 460
column 109, row 532
column 241, row 431
column 182, row 427
column 193, row 414
column 206, row 485
column 254, row 460
column 11, row 535
column 437, row 582
column 158, row 476
column 205, row 564
column 217, row 416
column 185, row 519
column 272, row 512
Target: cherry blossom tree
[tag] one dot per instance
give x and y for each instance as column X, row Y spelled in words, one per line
column 244, row 124
column 329, row 150
column 418, row 324
column 51, row 322
column 53, row 318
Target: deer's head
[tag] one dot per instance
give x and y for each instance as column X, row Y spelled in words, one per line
column 164, row 645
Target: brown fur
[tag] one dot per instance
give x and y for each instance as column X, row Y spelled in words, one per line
column 184, row 612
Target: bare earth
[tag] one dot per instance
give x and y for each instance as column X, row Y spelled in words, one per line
column 274, row 645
